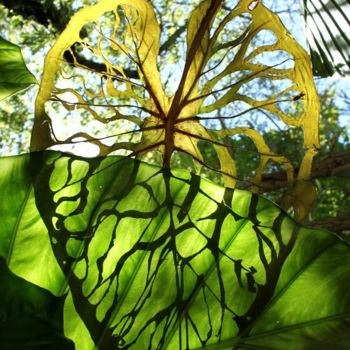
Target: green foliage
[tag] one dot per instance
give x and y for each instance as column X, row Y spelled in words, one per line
column 14, row 75
column 333, row 197
column 16, row 112
column 15, row 124
column 154, row 259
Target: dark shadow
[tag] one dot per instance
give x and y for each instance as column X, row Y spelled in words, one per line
column 31, row 318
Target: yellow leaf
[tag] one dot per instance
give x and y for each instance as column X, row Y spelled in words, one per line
column 107, row 60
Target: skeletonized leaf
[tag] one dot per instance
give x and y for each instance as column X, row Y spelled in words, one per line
column 103, row 71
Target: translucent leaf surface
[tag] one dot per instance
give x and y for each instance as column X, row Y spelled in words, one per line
column 14, row 75
column 160, row 260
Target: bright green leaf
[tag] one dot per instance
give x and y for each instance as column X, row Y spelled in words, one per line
column 14, row 75
column 155, row 260
column 21, row 226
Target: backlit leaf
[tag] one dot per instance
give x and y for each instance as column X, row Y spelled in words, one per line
column 14, row 75
column 160, row 260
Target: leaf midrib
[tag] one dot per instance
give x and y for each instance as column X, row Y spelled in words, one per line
column 19, row 217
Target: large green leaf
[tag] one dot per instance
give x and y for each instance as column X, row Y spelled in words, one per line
column 14, row 75
column 160, row 260
column 328, row 25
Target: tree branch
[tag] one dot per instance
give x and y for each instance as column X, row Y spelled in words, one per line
column 334, row 165
column 98, row 67
column 338, row 224
column 172, row 39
